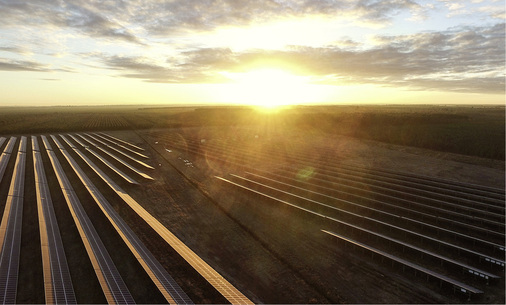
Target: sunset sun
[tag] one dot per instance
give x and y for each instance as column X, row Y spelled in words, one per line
column 269, row 88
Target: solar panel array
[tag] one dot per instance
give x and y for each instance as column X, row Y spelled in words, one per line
column 463, row 287
column 122, row 146
column 144, row 175
column 113, row 286
column 460, row 226
column 168, row 287
column 10, row 229
column 119, row 151
column 4, row 158
column 122, row 141
column 105, row 161
column 214, row 278
column 57, row 281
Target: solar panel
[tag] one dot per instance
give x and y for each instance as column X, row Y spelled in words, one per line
column 18, row 179
column 108, row 276
column 6, row 155
column 381, row 212
column 168, row 287
column 22, row 144
column 442, row 277
column 35, row 143
column 122, row 146
column 106, row 162
column 47, row 145
column 77, row 140
column 10, row 146
column 10, row 233
column 118, row 159
column 57, row 281
column 119, row 151
column 214, row 278
column 122, row 141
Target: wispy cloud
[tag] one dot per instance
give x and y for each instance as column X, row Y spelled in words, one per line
column 22, row 65
column 82, row 16
column 28, row 65
column 94, row 23
column 143, row 68
column 14, row 49
column 486, row 8
column 497, row 12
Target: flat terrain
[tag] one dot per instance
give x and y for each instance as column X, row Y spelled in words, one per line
column 466, row 130
column 252, row 195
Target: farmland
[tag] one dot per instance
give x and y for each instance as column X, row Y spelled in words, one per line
column 337, row 204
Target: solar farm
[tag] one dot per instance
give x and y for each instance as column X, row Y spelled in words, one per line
column 58, row 284
column 244, row 214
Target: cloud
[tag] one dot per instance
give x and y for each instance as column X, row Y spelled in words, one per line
column 454, row 6
column 27, row 65
column 143, row 68
column 475, row 9
column 461, row 59
column 82, row 16
column 140, row 21
column 22, row 65
column 469, row 59
column 14, row 49
column 383, row 10
column 116, row 19
column 165, row 17
column 497, row 12
column 94, row 24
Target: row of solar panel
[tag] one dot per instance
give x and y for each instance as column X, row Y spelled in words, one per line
column 375, row 214
column 10, row 227
column 158, row 274
column 213, row 277
column 456, row 200
column 456, row 194
column 57, row 281
column 441, row 214
column 173, row 292
column 63, row 292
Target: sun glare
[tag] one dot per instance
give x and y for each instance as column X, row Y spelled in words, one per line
column 268, row 88
column 310, row 31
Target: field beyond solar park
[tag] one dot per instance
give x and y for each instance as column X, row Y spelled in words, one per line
column 321, row 204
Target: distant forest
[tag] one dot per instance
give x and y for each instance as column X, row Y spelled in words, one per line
column 475, row 131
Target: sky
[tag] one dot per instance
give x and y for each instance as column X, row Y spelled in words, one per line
column 262, row 52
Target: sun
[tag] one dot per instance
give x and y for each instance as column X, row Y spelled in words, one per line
column 268, row 88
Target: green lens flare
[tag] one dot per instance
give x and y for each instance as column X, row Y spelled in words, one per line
column 305, row 173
